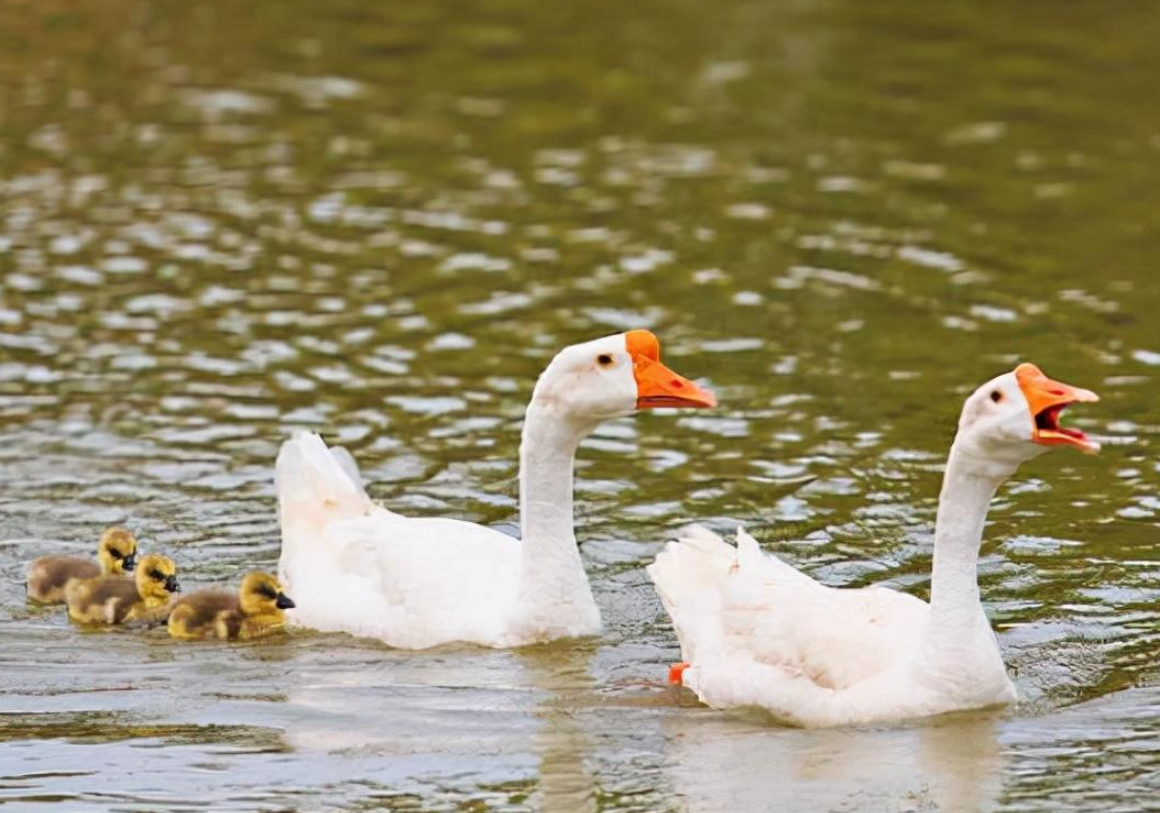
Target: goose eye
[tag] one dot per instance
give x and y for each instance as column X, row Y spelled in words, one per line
column 157, row 574
column 996, row 396
column 604, row 359
column 269, row 593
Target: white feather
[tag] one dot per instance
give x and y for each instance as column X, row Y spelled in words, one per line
column 353, row 566
column 756, row 631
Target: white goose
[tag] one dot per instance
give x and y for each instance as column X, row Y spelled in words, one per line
column 754, row 631
column 353, row 566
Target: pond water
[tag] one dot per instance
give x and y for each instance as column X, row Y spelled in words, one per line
column 223, row 221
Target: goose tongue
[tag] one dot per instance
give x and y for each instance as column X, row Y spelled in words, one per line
column 1047, row 400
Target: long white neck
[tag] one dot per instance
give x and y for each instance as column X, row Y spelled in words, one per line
column 554, row 596
column 958, row 627
column 958, row 534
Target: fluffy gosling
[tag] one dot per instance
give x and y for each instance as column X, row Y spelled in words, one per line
column 253, row 612
column 119, row 599
column 49, row 575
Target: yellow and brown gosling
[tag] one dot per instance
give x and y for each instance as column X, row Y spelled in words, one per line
column 49, row 575
column 119, row 599
column 253, row 612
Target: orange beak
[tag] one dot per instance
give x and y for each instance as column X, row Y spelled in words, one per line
column 656, row 384
column 1048, row 399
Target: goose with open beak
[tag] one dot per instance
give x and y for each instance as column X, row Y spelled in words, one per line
column 1046, row 401
column 755, row 631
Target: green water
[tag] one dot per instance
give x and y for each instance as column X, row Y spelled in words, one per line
column 223, row 221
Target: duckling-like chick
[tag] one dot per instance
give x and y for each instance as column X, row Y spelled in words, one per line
column 49, row 575
column 118, row 599
column 253, row 612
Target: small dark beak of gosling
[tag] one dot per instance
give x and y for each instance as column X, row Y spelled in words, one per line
column 171, row 585
column 284, row 602
column 129, row 562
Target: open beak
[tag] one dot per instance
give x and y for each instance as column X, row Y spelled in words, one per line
column 1048, row 399
column 657, row 385
column 284, row 602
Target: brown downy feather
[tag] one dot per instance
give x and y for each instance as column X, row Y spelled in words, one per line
column 197, row 615
column 255, row 611
column 48, row 576
column 103, row 600
column 148, row 596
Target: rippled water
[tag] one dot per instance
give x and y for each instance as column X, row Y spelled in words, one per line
column 223, row 221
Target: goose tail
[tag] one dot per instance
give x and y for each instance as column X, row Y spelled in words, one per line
column 315, row 486
column 688, row 574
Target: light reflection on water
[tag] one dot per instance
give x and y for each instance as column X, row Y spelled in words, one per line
column 219, row 223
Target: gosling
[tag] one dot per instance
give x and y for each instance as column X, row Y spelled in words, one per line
column 253, row 612
column 49, row 575
column 120, row 599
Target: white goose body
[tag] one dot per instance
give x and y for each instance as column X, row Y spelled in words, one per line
column 419, row 582
column 754, row 631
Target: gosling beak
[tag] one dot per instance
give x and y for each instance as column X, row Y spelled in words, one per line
column 284, row 602
column 171, row 585
column 1047, row 400
column 657, row 385
column 129, row 562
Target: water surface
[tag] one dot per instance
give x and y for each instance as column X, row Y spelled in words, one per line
column 221, row 222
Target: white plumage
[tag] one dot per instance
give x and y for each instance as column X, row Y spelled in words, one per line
column 353, row 566
column 754, row 631
column 359, row 568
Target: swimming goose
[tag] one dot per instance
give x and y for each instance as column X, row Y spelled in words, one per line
column 48, row 575
column 121, row 599
column 255, row 611
column 754, row 631
column 415, row 582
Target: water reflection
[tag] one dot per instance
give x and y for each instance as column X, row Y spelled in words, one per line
column 485, row 713
column 955, row 764
column 561, row 673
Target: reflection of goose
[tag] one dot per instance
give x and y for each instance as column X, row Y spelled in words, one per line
column 758, row 632
column 502, row 721
column 955, row 766
column 565, row 784
column 355, row 567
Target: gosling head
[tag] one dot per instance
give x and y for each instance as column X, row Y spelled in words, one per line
column 1015, row 417
column 117, row 551
column 613, row 376
column 261, row 594
column 156, row 578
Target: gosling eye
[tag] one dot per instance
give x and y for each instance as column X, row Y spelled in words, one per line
column 268, row 592
column 157, row 575
column 116, row 554
column 996, row 396
column 604, row 360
